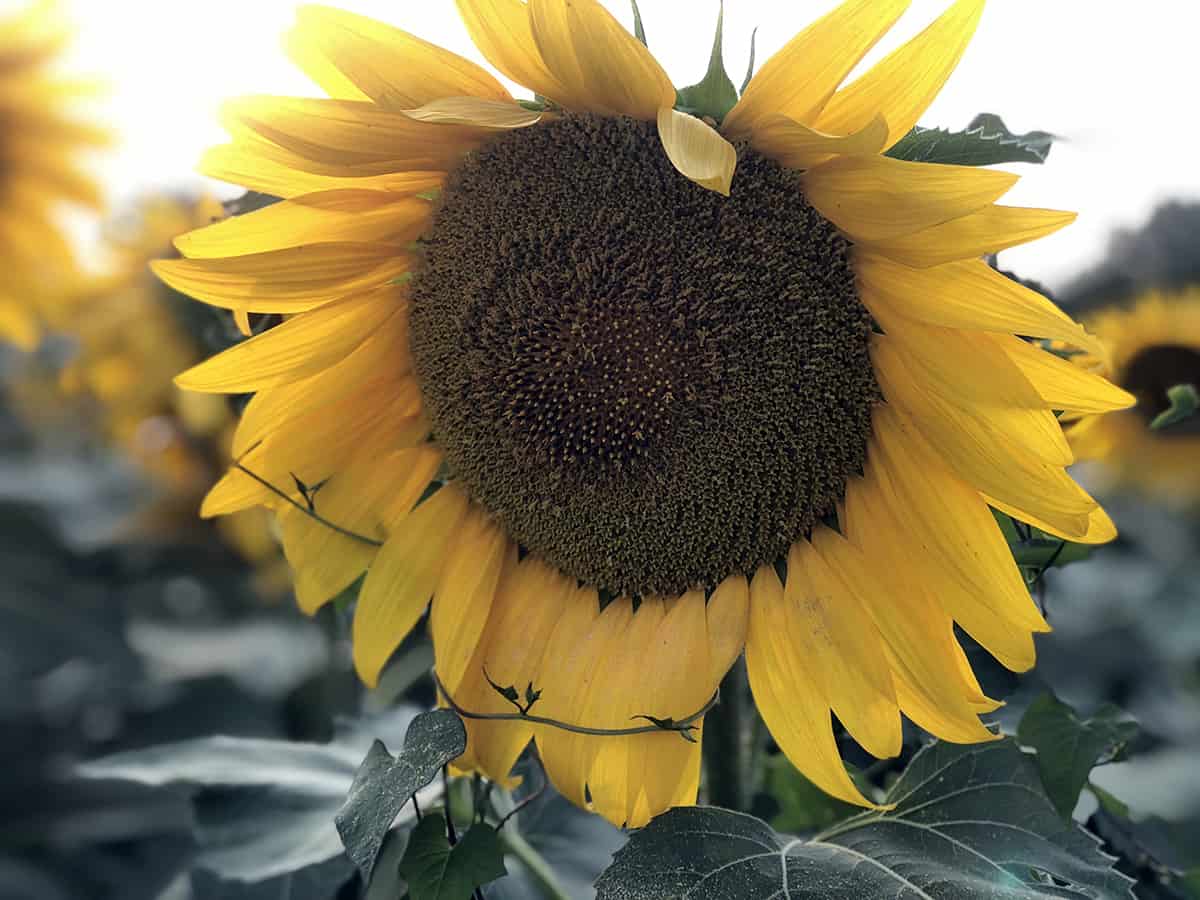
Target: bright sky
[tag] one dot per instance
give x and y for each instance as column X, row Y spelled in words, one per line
column 1114, row 78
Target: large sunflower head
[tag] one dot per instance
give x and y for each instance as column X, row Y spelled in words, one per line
column 41, row 141
column 625, row 389
column 1153, row 345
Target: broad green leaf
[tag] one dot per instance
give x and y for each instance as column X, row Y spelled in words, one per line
column 436, row 871
column 969, row 822
column 985, row 142
column 1184, row 401
column 714, row 95
column 383, row 784
column 802, row 805
column 1068, row 747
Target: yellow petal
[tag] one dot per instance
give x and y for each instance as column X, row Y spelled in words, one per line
column 965, row 367
column 602, row 67
column 845, row 645
column 463, row 600
column 326, row 562
column 301, row 346
column 371, row 369
column 968, row 294
column 798, row 146
column 395, row 69
column 798, row 81
column 342, row 137
column 904, row 83
column 728, row 614
column 329, row 216
column 960, row 551
column 528, row 605
column 1099, row 528
column 285, row 281
column 990, row 230
column 402, row 579
column 874, row 198
column 789, row 691
column 918, row 633
column 696, row 150
column 1061, row 384
column 665, row 767
column 244, row 164
column 1024, row 469
column 613, row 707
column 502, row 32
column 577, row 650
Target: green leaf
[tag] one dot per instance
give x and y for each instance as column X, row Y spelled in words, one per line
column 264, row 809
column 639, row 31
column 714, row 95
column 1184, row 401
column 383, row 784
column 1068, row 748
column 1112, row 805
column 985, row 142
column 1041, row 553
column 436, row 871
column 1036, row 550
column 749, row 65
column 802, row 805
column 969, row 821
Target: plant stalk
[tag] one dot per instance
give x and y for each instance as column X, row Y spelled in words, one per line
column 541, row 870
column 729, row 739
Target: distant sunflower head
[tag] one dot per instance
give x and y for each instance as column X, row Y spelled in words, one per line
column 42, row 140
column 1152, row 345
column 625, row 387
column 124, row 335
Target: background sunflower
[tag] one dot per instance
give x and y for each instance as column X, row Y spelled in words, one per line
column 42, row 141
column 121, row 337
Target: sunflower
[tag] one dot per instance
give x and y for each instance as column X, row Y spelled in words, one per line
column 626, row 391
column 1153, row 344
column 128, row 336
column 41, row 140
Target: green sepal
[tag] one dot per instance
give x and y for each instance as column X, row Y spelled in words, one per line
column 1184, row 401
column 749, row 65
column 714, row 95
column 639, row 30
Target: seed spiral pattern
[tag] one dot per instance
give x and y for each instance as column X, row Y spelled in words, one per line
column 650, row 385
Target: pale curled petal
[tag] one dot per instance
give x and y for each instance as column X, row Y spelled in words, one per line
column 494, row 114
column 697, row 151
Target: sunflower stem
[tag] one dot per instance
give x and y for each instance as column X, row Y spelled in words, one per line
column 540, row 870
column 728, row 748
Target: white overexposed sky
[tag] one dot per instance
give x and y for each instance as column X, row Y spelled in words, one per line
column 1115, row 79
